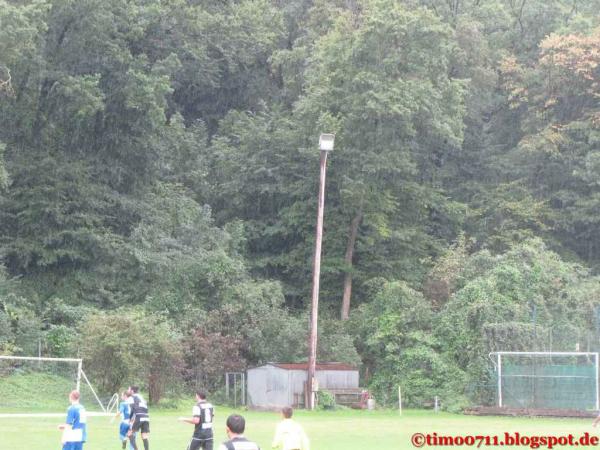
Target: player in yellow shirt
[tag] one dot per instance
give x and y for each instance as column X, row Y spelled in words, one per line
column 289, row 435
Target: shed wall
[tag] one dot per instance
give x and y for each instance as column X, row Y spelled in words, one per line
column 337, row 379
column 268, row 386
column 273, row 387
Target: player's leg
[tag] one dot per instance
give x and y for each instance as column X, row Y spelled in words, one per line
column 208, row 445
column 72, row 446
column 123, row 429
column 131, row 446
column 195, row 444
column 132, row 441
column 145, row 428
column 132, row 433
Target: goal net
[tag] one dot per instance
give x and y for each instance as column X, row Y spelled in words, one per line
column 547, row 380
column 32, row 386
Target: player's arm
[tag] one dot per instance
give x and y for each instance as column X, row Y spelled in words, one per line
column 122, row 408
column 195, row 420
column 132, row 410
column 69, row 422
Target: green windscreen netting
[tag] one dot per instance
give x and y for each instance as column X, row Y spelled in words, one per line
column 549, row 382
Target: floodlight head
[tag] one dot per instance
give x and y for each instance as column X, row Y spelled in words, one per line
column 326, row 142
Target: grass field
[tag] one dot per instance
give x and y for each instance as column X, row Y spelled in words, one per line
column 328, row 430
column 336, row 430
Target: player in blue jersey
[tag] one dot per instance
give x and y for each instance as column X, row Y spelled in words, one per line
column 124, row 414
column 74, row 429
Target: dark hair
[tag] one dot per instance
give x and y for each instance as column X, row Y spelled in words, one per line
column 236, row 424
column 287, row 412
column 134, row 389
column 201, row 395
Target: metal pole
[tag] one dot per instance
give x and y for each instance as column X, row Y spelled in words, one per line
column 227, row 386
column 79, row 370
column 399, row 400
column 499, row 380
column 597, row 393
column 243, row 389
column 312, row 357
column 93, row 391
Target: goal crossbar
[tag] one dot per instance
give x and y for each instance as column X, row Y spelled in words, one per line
column 545, row 353
column 40, row 358
column 106, row 410
column 32, row 415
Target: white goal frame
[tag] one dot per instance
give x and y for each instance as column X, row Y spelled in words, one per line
column 498, row 363
column 109, row 410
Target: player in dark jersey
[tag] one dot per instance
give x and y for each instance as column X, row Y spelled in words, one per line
column 140, row 419
column 203, row 415
column 235, row 430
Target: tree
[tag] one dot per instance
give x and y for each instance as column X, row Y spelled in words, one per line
column 403, row 112
column 379, row 78
column 394, row 336
column 131, row 347
column 557, row 152
column 209, row 356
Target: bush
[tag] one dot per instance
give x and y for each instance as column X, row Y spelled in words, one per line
column 208, row 356
column 59, row 340
column 326, row 400
column 122, row 348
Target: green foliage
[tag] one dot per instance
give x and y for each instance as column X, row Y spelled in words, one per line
column 60, row 340
column 54, row 215
column 397, row 345
column 526, row 299
column 253, row 312
column 336, row 342
column 208, row 357
column 21, row 391
column 158, row 167
column 132, row 346
column 326, row 399
column 3, row 172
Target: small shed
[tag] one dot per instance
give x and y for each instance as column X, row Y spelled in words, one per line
column 276, row 385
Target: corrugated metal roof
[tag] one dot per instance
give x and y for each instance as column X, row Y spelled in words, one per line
column 319, row 366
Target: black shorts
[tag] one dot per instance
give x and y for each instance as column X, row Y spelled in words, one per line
column 141, row 424
column 197, row 444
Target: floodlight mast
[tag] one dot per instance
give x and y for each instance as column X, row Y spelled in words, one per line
column 326, row 142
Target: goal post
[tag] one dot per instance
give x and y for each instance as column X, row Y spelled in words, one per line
column 547, row 380
column 47, row 381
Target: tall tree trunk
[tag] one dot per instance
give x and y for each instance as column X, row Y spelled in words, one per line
column 348, row 259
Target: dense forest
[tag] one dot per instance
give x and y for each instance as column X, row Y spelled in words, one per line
column 159, row 170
